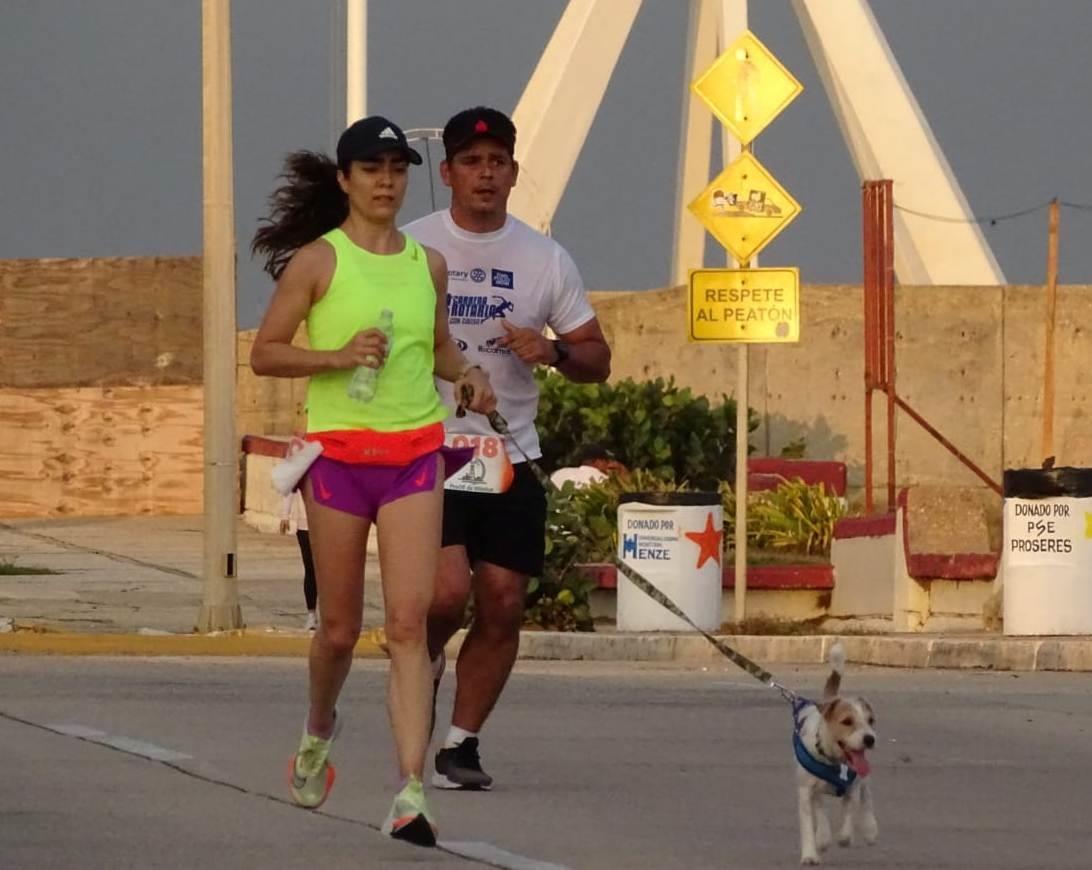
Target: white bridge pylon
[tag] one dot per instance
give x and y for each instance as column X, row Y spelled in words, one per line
column 884, row 127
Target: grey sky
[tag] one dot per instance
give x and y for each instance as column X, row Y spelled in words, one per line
column 101, row 132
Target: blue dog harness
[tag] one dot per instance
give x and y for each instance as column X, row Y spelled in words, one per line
column 838, row 776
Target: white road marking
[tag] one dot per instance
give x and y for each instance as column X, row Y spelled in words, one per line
column 117, row 741
column 486, row 853
column 489, row 854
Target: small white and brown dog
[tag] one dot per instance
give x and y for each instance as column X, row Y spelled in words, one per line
column 831, row 740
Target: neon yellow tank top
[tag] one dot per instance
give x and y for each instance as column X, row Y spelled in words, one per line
column 364, row 284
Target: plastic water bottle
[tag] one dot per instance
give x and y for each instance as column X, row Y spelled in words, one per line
column 363, row 382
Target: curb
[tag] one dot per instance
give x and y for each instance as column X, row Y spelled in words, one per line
column 998, row 654
column 238, row 644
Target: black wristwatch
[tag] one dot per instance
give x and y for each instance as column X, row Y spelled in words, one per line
column 561, row 348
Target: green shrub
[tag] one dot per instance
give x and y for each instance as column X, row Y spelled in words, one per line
column 581, row 527
column 651, row 425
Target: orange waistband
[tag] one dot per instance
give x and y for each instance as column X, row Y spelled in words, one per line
column 368, row 447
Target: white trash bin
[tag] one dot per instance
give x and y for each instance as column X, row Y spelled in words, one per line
column 1046, row 562
column 673, row 539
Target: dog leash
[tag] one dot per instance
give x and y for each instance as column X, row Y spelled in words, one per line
column 500, row 426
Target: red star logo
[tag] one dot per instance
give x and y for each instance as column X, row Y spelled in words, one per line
column 481, row 127
column 708, row 540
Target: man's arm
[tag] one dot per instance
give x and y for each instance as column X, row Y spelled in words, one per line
column 583, row 356
column 588, row 359
column 581, row 352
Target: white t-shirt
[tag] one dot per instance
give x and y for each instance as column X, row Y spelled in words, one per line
column 514, row 274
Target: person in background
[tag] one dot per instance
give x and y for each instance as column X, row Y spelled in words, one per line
column 294, row 516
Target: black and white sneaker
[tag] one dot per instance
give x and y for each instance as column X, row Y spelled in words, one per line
column 461, row 768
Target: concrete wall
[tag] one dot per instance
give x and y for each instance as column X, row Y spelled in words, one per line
column 969, row 359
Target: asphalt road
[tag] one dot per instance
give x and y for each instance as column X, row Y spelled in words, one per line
column 115, row 763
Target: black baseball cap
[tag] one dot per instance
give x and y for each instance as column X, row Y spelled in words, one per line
column 478, row 123
column 371, row 136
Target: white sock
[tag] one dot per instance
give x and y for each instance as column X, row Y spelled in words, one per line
column 457, row 735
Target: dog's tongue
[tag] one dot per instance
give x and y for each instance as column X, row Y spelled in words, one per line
column 859, row 762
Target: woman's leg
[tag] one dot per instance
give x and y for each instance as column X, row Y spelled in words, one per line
column 409, row 549
column 339, row 544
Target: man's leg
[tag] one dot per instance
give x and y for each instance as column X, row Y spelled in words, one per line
column 506, row 535
column 449, row 599
column 491, row 644
column 485, row 661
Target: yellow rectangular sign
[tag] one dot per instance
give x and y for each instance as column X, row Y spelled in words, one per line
column 744, row 305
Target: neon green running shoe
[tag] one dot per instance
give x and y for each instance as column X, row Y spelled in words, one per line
column 409, row 817
column 310, row 774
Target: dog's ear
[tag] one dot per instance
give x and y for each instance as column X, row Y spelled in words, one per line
column 829, row 708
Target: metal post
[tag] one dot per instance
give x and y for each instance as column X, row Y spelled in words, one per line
column 742, row 365
column 220, row 602
column 733, row 21
column 356, row 60
column 1048, row 346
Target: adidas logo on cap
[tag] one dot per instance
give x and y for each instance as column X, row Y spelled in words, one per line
column 388, row 133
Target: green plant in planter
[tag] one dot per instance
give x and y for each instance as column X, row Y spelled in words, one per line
column 793, row 518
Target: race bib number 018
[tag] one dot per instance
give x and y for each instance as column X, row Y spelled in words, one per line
column 490, row 471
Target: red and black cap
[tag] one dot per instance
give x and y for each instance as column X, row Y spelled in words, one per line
column 370, row 137
column 480, row 122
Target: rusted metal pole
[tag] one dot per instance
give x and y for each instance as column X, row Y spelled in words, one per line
column 868, row 237
column 960, row 455
column 888, row 285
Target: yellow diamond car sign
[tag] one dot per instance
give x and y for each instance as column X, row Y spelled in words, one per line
column 747, row 87
column 744, row 305
column 744, row 207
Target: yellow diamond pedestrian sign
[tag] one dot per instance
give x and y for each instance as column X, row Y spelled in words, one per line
column 747, row 87
column 744, row 305
column 744, row 207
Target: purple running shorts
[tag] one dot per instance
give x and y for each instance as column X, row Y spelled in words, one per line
column 361, row 490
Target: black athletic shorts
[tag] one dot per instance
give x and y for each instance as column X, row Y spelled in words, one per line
column 507, row 529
